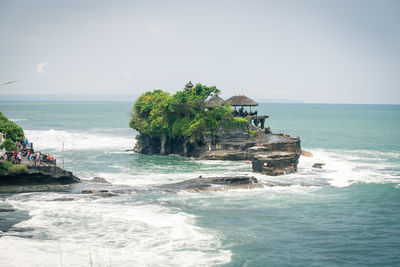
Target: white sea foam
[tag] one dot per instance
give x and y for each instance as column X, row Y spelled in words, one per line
column 344, row 167
column 107, row 232
column 53, row 139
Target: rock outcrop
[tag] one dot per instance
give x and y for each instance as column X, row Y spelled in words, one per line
column 39, row 175
column 213, row 184
column 318, row 165
column 275, row 163
column 277, row 153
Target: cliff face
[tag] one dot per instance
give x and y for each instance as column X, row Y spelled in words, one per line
column 271, row 154
column 39, row 175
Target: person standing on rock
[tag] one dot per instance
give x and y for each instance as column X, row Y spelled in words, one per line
column 19, row 157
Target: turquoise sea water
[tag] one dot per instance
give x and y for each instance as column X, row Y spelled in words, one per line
column 347, row 213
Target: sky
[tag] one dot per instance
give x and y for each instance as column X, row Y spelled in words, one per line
column 339, row 51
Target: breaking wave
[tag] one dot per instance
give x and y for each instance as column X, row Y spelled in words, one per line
column 107, row 232
column 53, row 139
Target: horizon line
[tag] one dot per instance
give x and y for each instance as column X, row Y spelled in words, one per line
column 37, row 98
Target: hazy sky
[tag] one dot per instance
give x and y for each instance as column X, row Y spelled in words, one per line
column 312, row 51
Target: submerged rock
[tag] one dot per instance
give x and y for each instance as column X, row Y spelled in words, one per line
column 94, row 191
column 213, row 184
column 318, row 165
column 100, row 180
column 306, row 154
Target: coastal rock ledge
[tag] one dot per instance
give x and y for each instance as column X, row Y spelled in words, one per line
column 39, row 175
column 270, row 154
column 213, row 184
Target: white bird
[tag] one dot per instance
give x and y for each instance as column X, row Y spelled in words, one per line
column 1, row 84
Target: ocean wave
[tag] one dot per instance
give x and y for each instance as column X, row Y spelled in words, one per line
column 345, row 167
column 53, row 139
column 105, row 232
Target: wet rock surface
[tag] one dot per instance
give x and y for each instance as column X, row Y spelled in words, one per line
column 279, row 151
column 275, row 163
column 37, row 179
column 213, row 184
column 10, row 216
column 318, row 165
column 100, row 180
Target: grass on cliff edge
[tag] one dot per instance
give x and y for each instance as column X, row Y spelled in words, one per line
column 7, row 166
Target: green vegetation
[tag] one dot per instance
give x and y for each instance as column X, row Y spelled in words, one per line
column 4, row 167
column 235, row 123
column 17, row 168
column 9, row 145
column 252, row 132
column 182, row 114
column 11, row 132
column 7, row 166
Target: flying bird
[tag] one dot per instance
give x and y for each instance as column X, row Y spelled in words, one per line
column 1, row 84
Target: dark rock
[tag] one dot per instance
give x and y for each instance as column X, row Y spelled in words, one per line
column 213, row 184
column 100, row 180
column 7, row 210
column 39, row 175
column 275, row 163
column 94, row 191
column 63, row 199
column 224, row 155
column 231, row 144
column 318, row 165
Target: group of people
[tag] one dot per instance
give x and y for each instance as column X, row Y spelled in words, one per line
column 25, row 150
column 40, row 157
column 16, row 158
column 22, row 145
column 243, row 113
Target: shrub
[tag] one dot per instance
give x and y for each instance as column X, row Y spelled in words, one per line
column 5, row 165
column 18, row 169
column 8, row 144
column 252, row 132
column 10, row 129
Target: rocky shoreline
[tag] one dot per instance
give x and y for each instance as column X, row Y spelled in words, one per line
column 270, row 154
column 43, row 174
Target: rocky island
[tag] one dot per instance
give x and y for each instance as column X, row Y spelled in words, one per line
column 196, row 122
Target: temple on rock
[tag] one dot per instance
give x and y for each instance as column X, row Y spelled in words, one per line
column 240, row 104
column 211, row 128
column 188, row 86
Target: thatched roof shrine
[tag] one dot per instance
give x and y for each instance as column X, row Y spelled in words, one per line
column 188, row 86
column 241, row 100
column 215, row 101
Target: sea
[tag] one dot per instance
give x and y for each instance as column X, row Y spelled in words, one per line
column 345, row 214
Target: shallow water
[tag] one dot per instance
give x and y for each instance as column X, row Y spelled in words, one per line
column 344, row 214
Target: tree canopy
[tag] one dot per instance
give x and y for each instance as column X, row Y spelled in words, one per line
column 182, row 114
column 11, row 132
